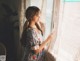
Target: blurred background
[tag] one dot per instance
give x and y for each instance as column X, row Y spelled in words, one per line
column 62, row 16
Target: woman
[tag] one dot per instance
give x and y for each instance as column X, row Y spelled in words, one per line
column 32, row 39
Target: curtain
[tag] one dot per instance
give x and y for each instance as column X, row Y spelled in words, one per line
column 23, row 5
column 54, row 27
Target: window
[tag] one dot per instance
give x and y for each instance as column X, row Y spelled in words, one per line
column 49, row 8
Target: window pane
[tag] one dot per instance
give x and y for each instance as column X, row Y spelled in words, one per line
column 48, row 16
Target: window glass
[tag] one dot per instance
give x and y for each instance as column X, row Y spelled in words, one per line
column 49, row 8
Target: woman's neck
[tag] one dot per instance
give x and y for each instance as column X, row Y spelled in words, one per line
column 32, row 24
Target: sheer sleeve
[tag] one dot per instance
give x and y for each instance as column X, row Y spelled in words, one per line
column 32, row 39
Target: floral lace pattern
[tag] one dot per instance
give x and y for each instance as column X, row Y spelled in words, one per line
column 33, row 41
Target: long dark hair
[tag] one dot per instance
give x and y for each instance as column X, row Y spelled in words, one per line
column 29, row 14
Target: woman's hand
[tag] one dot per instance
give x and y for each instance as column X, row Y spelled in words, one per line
column 51, row 36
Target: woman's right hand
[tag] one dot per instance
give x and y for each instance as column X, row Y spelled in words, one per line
column 51, row 36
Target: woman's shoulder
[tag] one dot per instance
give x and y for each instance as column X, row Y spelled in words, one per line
column 30, row 30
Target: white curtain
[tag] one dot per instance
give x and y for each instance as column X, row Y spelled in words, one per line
column 68, row 37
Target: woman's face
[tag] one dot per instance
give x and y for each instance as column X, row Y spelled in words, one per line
column 36, row 17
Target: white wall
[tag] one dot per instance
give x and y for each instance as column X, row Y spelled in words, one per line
column 68, row 39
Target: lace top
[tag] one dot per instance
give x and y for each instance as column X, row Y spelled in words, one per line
column 33, row 41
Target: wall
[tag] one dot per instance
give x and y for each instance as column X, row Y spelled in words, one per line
column 9, row 28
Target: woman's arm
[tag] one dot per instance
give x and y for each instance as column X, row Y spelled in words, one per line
column 30, row 39
column 50, row 37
